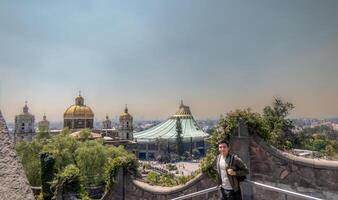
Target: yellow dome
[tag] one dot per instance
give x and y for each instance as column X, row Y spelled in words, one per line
column 79, row 111
column 126, row 115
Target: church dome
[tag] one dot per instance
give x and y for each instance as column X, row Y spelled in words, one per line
column 79, row 110
column 125, row 115
column 25, row 111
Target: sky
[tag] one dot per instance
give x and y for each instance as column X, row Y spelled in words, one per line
column 216, row 56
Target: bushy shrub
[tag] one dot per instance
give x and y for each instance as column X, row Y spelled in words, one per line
column 153, row 177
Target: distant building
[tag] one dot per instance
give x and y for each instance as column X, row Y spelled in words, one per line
column 107, row 124
column 24, row 125
column 44, row 124
column 108, row 131
column 78, row 116
column 126, row 125
column 161, row 139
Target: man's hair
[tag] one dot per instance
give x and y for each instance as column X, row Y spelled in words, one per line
column 223, row 142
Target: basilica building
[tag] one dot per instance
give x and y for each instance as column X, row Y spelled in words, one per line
column 161, row 139
column 78, row 116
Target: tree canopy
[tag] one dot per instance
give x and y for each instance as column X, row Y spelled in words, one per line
column 90, row 160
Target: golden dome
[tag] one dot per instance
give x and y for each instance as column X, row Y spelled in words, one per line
column 126, row 115
column 79, row 110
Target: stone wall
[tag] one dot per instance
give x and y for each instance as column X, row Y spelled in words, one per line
column 13, row 181
column 314, row 177
column 137, row 190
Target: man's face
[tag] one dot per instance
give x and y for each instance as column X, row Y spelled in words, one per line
column 223, row 149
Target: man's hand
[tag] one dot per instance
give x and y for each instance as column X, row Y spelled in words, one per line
column 231, row 172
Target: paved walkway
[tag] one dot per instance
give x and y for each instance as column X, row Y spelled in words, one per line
column 183, row 168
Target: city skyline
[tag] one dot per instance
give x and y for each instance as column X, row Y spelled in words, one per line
column 215, row 56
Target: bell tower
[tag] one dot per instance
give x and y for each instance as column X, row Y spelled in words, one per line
column 126, row 125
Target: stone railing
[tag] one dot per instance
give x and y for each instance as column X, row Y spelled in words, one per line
column 134, row 189
column 306, row 162
column 305, row 175
column 286, row 194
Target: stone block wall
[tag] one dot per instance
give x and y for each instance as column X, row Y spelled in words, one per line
column 13, row 182
column 137, row 190
column 315, row 177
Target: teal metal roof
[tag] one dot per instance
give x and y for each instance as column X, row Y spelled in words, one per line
column 167, row 129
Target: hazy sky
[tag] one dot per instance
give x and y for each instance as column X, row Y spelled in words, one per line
column 215, row 55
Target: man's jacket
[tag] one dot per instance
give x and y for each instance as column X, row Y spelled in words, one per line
column 237, row 165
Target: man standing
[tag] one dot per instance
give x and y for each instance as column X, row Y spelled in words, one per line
column 230, row 169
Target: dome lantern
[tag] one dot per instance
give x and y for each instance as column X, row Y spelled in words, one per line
column 79, row 100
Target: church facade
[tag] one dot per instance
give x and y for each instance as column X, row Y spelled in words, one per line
column 24, row 125
column 126, row 125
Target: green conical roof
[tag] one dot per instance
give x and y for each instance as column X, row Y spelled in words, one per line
column 167, row 129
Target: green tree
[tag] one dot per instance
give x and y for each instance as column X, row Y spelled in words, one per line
column 279, row 127
column 84, row 134
column 179, row 137
column 90, row 158
column 95, row 162
column 68, row 181
column 63, row 147
column 30, row 159
column 321, row 139
column 43, row 135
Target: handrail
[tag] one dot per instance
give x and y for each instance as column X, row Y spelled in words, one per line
column 197, row 193
column 287, row 192
column 268, row 187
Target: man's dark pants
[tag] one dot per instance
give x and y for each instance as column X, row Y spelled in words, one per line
column 230, row 195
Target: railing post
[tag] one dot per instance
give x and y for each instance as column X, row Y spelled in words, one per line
column 240, row 145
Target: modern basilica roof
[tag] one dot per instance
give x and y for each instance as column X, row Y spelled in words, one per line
column 167, row 129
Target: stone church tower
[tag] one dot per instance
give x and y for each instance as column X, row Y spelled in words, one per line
column 44, row 124
column 24, row 125
column 107, row 124
column 126, row 126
